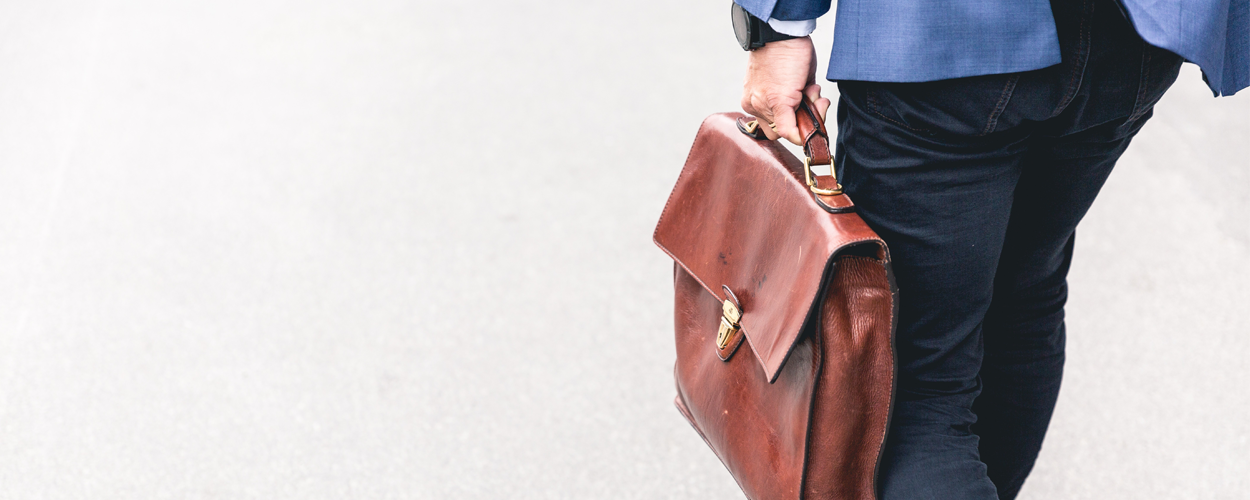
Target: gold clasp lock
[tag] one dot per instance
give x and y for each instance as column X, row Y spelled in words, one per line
column 811, row 182
column 730, row 315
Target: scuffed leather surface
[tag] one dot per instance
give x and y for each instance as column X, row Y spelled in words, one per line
column 759, row 430
column 741, row 216
column 851, row 409
column 819, row 429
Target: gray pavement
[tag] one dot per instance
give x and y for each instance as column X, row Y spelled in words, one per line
column 382, row 249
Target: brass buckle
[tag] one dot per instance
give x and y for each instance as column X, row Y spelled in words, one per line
column 730, row 315
column 811, row 183
column 751, row 126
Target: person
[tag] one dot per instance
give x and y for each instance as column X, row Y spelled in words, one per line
column 973, row 136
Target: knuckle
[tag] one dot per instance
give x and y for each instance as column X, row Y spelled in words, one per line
column 779, row 100
column 749, row 103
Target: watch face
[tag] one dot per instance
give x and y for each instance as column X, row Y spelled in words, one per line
column 742, row 26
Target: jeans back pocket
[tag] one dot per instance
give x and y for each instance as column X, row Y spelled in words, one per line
column 962, row 106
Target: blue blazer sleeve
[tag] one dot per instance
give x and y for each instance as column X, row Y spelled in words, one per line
column 785, row 10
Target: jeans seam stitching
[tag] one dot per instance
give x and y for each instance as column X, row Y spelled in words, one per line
column 1003, row 99
column 1082, row 58
column 1141, row 85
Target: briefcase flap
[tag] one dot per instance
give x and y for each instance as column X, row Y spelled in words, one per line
column 741, row 216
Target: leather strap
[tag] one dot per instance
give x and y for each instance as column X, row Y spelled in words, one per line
column 812, row 130
column 816, row 147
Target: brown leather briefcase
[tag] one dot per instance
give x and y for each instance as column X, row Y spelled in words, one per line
column 770, row 255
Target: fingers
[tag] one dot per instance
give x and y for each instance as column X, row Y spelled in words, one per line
column 822, row 107
column 777, row 119
column 768, row 130
column 783, row 118
column 779, row 110
column 754, row 105
column 812, row 92
column 776, row 114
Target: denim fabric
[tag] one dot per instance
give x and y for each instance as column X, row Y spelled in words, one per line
column 977, row 185
column 924, row 40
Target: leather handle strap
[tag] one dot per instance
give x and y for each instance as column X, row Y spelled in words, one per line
column 812, row 130
column 816, row 147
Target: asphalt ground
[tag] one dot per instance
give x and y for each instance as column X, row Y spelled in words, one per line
column 382, row 249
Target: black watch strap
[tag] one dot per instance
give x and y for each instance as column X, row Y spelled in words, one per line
column 768, row 34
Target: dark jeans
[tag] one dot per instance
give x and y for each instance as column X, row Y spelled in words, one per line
column 977, row 185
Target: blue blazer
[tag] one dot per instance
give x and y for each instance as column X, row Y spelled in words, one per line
column 925, row 40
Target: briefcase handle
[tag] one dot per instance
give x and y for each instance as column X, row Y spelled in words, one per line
column 815, row 145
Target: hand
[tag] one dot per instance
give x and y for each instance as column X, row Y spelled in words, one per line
column 779, row 74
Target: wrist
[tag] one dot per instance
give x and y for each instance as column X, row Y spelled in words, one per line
column 798, row 47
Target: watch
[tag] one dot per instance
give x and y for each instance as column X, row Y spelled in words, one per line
column 752, row 32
